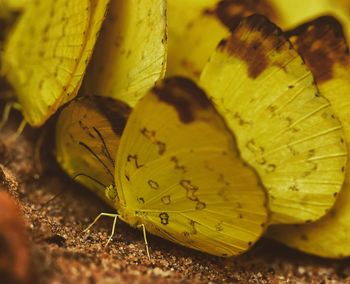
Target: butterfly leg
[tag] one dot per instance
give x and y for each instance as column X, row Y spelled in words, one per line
column 9, row 106
column 20, row 128
column 115, row 216
column 6, row 114
column 145, row 238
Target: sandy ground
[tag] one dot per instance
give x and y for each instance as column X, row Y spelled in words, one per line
column 61, row 253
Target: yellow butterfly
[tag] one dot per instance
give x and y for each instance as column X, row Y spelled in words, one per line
column 284, row 128
column 46, row 54
column 178, row 173
column 218, row 17
column 88, row 136
column 130, row 55
column 322, row 44
column 188, row 20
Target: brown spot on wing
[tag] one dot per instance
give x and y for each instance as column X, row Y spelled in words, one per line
column 184, row 95
column 252, row 42
column 322, row 44
column 230, row 12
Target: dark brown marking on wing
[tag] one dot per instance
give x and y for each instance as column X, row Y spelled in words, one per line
column 193, row 227
column 257, row 151
column 219, row 227
column 115, row 111
column 221, row 179
column 191, row 193
column 230, row 12
column 153, row 184
column 190, row 189
column 240, row 120
column 135, row 159
column 254, row 49
column 141, row 200
column 151, row 136
column 166, row 199
column 200, row 205
column 177, row 164
column 161, row 147
column 164, row 218
column 270, row 168
column 86, row 129
column 184, row 95
column 322, row 44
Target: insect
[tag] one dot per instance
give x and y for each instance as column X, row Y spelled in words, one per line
column 130, row 54
column 88, row 137
column 46, row 54
column 284, row 128
column 221, row 17
column 178, row 173
column 323, row 39
column 218, row 17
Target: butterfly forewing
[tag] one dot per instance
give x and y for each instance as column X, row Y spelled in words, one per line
column 130, row 55
column 87, row 138
column 179, row 171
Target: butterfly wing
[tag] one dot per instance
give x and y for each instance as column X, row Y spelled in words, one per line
column 186, row 33
column 292, row 14
column 188, row 20
column 218, row 17
column 284, row 128
column 179, row 173
column 47, row 52
column 324, row 48
column 87, row 138
column 130, row 55
column 7, row 7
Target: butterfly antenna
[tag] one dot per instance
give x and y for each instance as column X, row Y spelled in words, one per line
column 108, row 154
column 97, row 157
column 53, row 198
column 91, row 178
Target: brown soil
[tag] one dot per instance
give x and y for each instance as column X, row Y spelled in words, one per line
column 62, row 253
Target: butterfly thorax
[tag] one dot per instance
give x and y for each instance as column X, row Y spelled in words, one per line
column 130, row 216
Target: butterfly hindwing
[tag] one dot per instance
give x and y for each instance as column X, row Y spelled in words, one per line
column 47, row 52
column 284, row 127
column 179, row 173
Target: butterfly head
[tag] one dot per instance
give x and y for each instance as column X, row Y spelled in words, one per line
column 111, row 192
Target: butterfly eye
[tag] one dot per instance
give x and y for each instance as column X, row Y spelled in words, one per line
column 111, row 192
